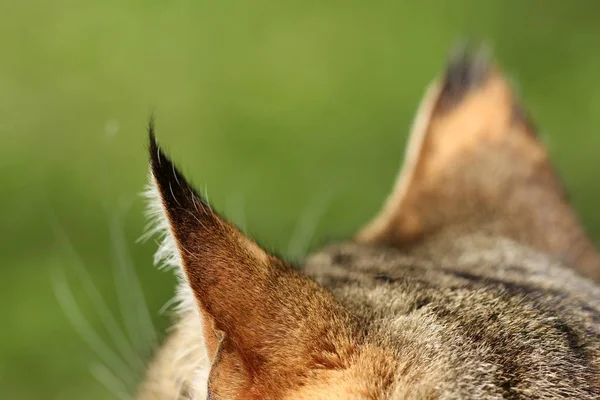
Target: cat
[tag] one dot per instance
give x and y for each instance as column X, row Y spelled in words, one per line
column 476, row 280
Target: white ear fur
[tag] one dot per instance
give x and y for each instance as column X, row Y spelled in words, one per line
column 167, row 256
column 190, row 359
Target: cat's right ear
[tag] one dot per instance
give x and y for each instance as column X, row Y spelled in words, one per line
column 267, row 329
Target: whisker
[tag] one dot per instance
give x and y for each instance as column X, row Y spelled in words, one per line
column 107, row 379
column 236, row 210
column 131, row 298
column 307, row 226
column 108, row 321
column 67, row 302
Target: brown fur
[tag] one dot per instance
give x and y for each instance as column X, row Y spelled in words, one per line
column 478, row 166
column 472, row 282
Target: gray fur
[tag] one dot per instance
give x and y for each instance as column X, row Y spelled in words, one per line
column 486, row 317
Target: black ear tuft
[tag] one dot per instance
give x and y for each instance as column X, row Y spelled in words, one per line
column 468, row 68
column 176, row 192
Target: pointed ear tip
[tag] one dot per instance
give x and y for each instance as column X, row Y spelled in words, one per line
column 160, row 165
column 468, row 66
column 164, row 171
column 152, row 145
column 155, row 153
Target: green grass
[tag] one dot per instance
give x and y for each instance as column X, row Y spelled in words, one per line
column 274, row 106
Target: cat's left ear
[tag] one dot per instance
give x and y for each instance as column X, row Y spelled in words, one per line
column 265, row 325
column 474, row 164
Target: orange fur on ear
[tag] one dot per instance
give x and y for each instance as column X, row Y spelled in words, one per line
column 263, row 323
column 474, row 164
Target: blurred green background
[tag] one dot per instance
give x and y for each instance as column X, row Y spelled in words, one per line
column 293, row 115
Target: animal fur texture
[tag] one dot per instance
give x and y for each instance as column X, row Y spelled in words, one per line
column 475, row 281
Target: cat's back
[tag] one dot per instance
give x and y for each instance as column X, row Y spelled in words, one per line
column 477, row 316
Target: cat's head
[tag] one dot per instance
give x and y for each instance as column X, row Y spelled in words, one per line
column 272, row 333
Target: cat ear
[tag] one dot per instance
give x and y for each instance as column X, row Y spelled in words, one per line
column 475, row 164
column 263, row 322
